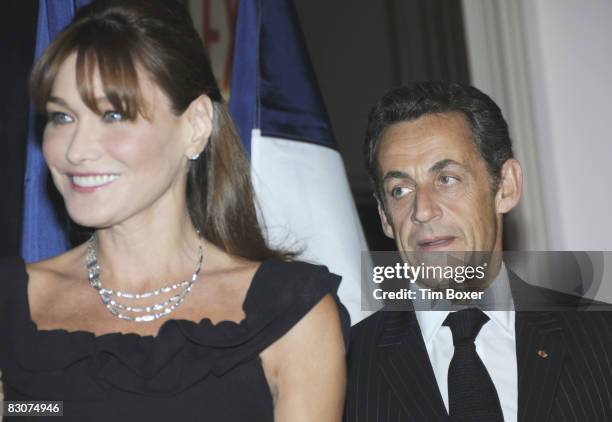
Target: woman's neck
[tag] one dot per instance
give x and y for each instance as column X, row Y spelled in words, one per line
column 147, row 253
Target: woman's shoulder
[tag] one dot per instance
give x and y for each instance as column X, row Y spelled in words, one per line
column 283, row 292
column 314, row 323
column 279, row 295
column 298, row 275
column 295, row 284
column 23, row 279
column 60, row 269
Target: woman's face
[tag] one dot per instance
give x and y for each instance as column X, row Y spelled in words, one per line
column 108, row 169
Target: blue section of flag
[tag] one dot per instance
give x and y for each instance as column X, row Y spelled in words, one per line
column 274, row 87
column 44, row 234
column 243, row 102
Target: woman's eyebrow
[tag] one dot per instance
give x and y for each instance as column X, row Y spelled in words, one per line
column 57, row 100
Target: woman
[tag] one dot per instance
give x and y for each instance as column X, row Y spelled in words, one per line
column 175, row 308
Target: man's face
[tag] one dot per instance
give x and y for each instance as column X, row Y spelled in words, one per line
column 436, row 188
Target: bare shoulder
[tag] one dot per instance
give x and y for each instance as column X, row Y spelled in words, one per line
column 62, row 264
column 306, row 368
column 222, row 264
column 55, row 275
column 321, row 322
column 318, row 329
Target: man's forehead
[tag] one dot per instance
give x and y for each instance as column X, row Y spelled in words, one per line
column 426, row 140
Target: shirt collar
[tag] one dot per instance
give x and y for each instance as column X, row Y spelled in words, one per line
column 499, row 293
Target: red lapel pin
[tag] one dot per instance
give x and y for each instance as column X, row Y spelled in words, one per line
column 542, row 354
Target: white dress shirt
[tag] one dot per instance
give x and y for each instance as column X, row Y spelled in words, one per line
column 495, row 344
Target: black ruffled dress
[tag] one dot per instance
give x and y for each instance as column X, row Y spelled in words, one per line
column 188, row 372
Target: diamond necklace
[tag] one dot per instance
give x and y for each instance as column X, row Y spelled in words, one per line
column 151, row 312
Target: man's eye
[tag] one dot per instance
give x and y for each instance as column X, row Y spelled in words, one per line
column 448, row 180
column 58, row 118
column 112, row 116
column 399, row 192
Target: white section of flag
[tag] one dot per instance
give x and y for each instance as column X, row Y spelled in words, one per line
column 306, row 203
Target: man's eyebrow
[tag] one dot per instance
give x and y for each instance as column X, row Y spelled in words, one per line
column 440, row 165
column 396, row 174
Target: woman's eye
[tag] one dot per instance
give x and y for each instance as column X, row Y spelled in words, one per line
column 112, row 116
column 399, row 192
column 58, row 118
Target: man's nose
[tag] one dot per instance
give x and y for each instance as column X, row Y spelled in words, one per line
column 425, row 206
column 83, row 146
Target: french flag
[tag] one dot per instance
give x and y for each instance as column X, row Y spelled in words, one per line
column 299, row 178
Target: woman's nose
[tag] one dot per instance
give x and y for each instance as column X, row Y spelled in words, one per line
column 82, row 146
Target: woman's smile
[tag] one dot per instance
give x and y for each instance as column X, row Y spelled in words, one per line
column 90, row 182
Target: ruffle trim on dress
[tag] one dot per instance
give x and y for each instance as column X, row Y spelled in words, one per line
column 183, row 352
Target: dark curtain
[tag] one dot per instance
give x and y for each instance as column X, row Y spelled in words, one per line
column 429, row 40
column 17, row 40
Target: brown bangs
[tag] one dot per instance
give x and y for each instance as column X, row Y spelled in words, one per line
column 108, row 52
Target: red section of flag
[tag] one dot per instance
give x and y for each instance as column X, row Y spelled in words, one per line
column 212, row 35
column 231, row 9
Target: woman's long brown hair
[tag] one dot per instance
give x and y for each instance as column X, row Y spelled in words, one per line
column 117, row 37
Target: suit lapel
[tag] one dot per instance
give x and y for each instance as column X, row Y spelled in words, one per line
column 540, row 352
column 405, row 365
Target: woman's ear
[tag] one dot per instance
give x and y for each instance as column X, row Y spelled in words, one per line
column 510, row 187
column 199, row 118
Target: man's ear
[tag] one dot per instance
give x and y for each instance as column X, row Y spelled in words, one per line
column 199, row 116
column 510, row 187
column 386, row 226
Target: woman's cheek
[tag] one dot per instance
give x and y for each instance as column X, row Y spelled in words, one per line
column 130, row 147
column 52, row 146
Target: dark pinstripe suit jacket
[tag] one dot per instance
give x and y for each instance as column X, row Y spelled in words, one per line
column 391, row 379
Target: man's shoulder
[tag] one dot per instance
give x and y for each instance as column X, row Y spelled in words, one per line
column 384, row 326
column 368, row 325
column 530, row 297
column 575, row 313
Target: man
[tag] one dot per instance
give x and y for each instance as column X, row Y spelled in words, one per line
column 444, row 173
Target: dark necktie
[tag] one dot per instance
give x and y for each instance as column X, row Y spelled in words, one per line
column 471, row 394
